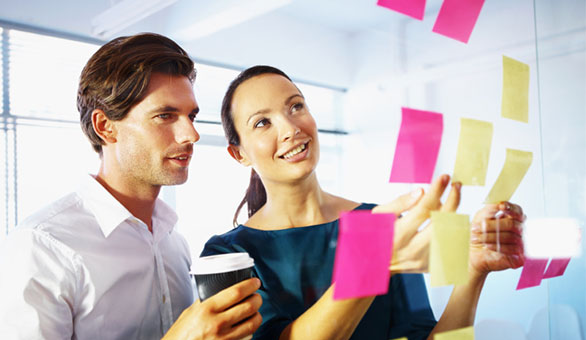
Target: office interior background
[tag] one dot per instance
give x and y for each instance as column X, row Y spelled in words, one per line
column 357, row 64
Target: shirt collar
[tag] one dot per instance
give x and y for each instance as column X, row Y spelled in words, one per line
column 110, row 213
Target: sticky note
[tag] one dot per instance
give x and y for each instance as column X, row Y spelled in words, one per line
column 403, row 338
column 449, row 248
column 412, row 8
column 417, row 148
column 532, row 273
column 466, row 333
column 556, row 267
column 457, row 18
column 363, row 254
column 473, row 152
column 517, row 163
column 515, row 100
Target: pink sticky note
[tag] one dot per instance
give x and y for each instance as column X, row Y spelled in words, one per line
column 456, row 18
column 417, row 146
column 532, row 273
column 363, row 254
column 556, row 267
column 412, row 8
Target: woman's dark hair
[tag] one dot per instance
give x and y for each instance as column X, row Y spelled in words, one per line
column 256, row 195
column 116, row 77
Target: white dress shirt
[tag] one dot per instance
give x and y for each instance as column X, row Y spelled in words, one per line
column 85, row 268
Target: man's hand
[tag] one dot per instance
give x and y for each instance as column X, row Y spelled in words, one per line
column 497, row 238
column 232, row 314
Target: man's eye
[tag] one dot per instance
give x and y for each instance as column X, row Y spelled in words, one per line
column 192, row 118
column 164, row 116
column 261, row 123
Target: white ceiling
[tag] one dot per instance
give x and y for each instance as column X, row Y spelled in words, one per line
column 322, row 31
column 320, row 41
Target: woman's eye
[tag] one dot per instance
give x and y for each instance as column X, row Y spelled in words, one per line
column 261, row 123
column 297, row 107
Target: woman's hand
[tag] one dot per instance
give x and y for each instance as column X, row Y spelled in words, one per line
column 497, row 238
column 411, row 243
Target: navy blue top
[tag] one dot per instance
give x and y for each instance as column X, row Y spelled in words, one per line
column 295, row 268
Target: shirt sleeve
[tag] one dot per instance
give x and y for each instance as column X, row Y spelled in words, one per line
column 37, row 287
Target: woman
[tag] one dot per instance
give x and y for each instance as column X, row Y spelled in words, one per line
column 293, row 226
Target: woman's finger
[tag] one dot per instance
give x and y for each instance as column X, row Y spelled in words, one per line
column 243, row 329
column 242, row 310
column 453, row 200
column 429, row 202
column 401, row 203
column 232, row 295
column 432, row 199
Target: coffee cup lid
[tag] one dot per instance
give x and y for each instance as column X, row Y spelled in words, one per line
column 221, row 263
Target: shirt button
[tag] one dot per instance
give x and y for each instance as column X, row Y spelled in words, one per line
column 164, row 298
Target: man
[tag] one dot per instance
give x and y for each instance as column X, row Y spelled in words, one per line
column 105, row 262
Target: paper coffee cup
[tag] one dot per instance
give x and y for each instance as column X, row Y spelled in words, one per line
column 218, row 272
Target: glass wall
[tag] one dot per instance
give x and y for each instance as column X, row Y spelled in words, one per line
column 426, row 71
column 561, row 51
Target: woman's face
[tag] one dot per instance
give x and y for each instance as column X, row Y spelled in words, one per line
column 278, row 136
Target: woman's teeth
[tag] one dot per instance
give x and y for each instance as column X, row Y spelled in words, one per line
column 295, row 151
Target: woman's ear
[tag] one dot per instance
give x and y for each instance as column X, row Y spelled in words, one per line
column 239, row 156
column 103, row 126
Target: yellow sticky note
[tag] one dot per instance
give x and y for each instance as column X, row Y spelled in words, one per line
column 515, row 104
column 403, row 338
column 466, row 333
column 473, row 152
column 449, row 249
column 517, row 163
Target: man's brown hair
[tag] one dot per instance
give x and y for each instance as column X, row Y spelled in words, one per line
column 117, row 75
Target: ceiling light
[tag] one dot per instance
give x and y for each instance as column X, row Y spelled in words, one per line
column 223, row 14
column 124, row 14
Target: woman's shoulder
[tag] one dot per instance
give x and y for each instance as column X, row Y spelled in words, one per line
column 222, row 243
column 344, row 204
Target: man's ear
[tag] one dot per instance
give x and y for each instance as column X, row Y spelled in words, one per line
column 238, row 155
column 103, row 126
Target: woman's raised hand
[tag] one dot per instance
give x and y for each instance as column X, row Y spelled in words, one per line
column 411, row 242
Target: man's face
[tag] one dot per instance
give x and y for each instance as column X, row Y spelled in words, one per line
column 154, row 142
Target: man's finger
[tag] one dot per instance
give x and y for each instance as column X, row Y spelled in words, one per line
column 506, row 249
column 502, row 238
column 498, row 225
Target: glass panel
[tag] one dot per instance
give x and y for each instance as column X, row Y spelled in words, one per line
column 52, row 159
column 44, row 73
column 561, row 41
column 210, row 85
column 207, row 201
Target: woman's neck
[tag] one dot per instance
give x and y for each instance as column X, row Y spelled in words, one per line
column 292, row 205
